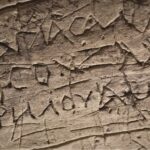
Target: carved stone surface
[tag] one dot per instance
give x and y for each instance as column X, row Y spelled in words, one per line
column 74, row 74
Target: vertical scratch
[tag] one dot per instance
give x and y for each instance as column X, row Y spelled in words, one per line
column 46, row 134
column 20, row 142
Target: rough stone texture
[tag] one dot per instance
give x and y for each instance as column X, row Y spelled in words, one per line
column 74, row 74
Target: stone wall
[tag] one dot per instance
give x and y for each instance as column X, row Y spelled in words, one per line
column 74, row 74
